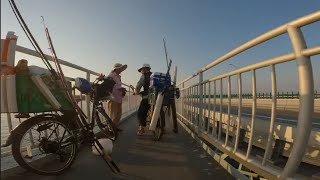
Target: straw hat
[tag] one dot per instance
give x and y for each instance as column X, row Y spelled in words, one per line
column 122, row 67
column 144, row 66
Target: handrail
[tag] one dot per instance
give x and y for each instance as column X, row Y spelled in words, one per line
column 132, row 101
column 262, row 64
column 34, row 53
column 192, row 103
column 308, row 19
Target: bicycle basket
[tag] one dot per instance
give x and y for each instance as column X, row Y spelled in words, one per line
column 82, row 85
column 105, row 88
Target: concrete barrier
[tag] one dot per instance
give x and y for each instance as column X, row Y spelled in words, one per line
column 285, row 132
column 282, row 104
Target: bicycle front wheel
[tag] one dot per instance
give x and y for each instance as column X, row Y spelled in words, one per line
column 45, row 145
column 158, row 132
column 105, row 124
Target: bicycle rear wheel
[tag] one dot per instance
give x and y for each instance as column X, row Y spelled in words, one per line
column 44, row 144
column 158, row 132
column 105, row 124
column 173, row 116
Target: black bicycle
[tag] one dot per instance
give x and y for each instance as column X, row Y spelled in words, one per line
column 47, row 144
column 170, row 93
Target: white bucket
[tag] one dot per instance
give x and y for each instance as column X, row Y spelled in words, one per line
column 106, row 144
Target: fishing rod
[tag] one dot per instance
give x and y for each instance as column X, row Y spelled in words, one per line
column 61, row 75
column 165, row 50
column 71, row 97
column 57, row 68
column 30, row 37
column 36, row 45
column 169, row 64
column 54, row 57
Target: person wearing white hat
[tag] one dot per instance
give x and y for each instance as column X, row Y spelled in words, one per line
column 118, row 92
column 144, row 104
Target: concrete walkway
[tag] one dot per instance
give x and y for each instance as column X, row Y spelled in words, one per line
column 176, row 156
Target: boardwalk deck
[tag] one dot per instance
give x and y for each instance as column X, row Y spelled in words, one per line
column 176, row 156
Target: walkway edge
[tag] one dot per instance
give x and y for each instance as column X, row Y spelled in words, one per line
column 218, row 158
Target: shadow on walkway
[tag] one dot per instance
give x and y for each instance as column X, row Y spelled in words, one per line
column 176, row 156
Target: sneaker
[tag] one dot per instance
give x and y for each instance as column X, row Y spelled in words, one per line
column 140, row 131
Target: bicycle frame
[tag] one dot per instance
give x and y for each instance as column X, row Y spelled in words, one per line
column 97, row 105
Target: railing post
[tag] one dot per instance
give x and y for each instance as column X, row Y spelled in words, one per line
column 88, row 101
column 204, row 105
column 9, row 121
column 239, row 113
column 197, row 107
column 129, row 100
column 189, row 108
column 214, row 129
column 229, row 111
column 253, row 118
column 209, row 107
column 200, row 101
column 306, row 104
column 221, row 104
column 267, row 154
column 9, row 59
column 192, row 91
column 183, row 100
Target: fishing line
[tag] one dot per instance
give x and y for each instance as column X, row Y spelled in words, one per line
column 61, row 75
column 30, row 36
column 27, row 33
column 165, row 50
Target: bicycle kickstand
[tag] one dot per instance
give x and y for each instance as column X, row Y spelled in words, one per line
column 106, row 157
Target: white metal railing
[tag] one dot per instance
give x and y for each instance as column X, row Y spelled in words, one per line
column 193, row 109
column 129, row 106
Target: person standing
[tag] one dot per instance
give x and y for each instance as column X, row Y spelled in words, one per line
column 118, row 92
column 144, row 104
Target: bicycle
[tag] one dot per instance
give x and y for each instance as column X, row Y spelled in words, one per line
column 56, row 137
column 169, row 93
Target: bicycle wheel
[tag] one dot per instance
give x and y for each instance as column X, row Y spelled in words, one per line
column 105, row 124
column 149, row 115
column 44, row 144
column 158, row 132
column 173, row 116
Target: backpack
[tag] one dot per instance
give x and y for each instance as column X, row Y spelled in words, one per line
column 82, row 85
column 105, row 88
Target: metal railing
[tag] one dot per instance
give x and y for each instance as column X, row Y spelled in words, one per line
column 202, row 115
column 130, row 105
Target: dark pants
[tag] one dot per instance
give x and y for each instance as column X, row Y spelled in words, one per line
column 143, row 112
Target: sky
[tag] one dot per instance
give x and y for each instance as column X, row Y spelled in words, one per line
column 96, row 34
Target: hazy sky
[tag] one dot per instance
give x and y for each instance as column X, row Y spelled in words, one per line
column 95, row 34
